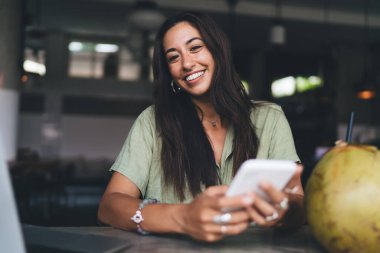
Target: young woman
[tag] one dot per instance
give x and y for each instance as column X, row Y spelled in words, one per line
column 185, row 149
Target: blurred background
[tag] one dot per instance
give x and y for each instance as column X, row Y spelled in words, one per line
column 74, row 74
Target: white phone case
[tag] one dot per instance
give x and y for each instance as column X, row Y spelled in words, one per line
column 253, row 171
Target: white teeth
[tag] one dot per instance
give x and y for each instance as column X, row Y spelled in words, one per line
column 195, row 75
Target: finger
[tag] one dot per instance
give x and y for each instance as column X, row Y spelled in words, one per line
column 272, row 213
column 226, row 204
column 218, row 216
column 228, row 229
column 208, row 237
column 217, row 190
column 258, row 218
column 275, row 195
column 264, row 220
column 263, row 207
column 298, row 171
column 231, row 218
column 294, row 186
column 235, row 229
column 239, row 217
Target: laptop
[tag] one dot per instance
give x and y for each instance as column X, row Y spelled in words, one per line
column 11, row 239
column 17, row 238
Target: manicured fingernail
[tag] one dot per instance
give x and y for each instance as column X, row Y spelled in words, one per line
column 248, row 200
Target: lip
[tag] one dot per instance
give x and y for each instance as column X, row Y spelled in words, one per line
column 194, row 72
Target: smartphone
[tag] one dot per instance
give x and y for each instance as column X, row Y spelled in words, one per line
column 253, row 171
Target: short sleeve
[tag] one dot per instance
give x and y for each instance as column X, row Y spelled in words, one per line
column 282, row 143
column 135, row 158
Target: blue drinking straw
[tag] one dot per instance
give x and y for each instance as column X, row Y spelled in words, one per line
column 349, row 128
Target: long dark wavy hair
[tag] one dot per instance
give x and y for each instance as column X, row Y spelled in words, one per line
column 187, row 157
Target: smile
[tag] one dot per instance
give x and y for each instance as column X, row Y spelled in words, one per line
column 194, row 76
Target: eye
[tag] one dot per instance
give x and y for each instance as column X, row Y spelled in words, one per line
column 195, row 48
column 172, row 58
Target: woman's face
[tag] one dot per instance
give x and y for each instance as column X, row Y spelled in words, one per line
column 191, row 64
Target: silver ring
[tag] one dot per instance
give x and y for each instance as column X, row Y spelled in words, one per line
column 223, row 229
column 284, row 204
column 291, row 190
column 272, row 217
column 222, row 218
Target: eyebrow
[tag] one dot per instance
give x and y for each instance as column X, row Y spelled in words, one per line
column 187, row 42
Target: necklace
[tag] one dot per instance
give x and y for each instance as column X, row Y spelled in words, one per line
column 212, row 122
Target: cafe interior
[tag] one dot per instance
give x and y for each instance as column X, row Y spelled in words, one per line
column 75, row 74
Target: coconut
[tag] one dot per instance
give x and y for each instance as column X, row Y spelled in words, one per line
column 342, row 199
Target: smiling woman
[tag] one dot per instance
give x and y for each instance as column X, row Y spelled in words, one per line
column 185, row 149
column 191, row 64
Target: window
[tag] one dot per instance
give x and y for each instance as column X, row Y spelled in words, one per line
column 34, row 61
column 101, row 60
column 288, row 86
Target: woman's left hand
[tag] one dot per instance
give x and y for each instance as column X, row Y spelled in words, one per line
column 271, row 212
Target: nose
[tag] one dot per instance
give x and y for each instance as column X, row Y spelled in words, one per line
column 187, row 62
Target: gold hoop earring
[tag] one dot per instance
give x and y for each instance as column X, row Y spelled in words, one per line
column 175, row 87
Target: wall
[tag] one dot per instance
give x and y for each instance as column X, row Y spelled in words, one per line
column 82, row 136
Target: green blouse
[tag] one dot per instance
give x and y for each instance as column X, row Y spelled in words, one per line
column 139, row 159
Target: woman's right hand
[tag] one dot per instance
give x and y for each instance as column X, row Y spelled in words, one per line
column 204, row 219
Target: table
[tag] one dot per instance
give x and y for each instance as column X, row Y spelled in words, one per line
column 107, row 239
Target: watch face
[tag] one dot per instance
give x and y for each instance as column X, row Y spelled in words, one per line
column 137, row 218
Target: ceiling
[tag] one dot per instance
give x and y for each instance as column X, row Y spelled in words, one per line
column 309, row 24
